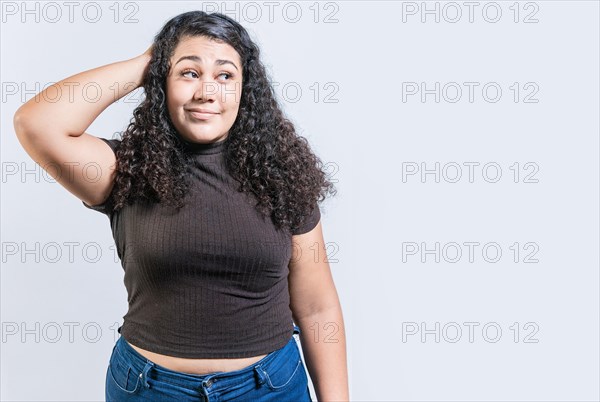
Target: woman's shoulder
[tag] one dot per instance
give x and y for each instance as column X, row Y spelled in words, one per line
column 113, row 143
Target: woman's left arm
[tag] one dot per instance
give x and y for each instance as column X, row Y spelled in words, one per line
column 317, row 311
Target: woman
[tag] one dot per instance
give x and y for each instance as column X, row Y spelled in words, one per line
column 212, row 200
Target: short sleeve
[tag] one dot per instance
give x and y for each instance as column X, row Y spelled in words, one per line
column 102, row 208
column 309, row 223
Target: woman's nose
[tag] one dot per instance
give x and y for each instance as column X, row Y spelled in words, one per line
column 207, row 89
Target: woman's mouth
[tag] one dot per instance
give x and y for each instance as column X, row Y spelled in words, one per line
column 201, row 115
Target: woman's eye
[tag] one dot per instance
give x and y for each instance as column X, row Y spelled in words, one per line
column 183, row 73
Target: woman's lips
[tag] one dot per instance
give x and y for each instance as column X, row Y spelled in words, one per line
column 201, row 115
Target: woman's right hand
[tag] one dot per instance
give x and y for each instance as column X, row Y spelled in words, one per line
column 146, row 56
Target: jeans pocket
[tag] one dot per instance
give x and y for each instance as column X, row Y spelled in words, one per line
column 123, row 375
column 285, row 369
column 282, row 378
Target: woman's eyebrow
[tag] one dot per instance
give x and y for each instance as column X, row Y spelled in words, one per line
column 198, row 59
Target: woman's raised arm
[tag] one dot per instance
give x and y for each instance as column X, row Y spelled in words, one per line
column 51, row 126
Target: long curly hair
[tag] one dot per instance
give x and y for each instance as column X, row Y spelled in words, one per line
column 262, row 150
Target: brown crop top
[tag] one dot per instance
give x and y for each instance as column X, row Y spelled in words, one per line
column 209, row 281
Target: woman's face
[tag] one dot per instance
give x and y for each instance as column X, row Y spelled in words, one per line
column 204, row 87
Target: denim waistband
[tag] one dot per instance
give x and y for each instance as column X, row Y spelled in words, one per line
column 210, row 382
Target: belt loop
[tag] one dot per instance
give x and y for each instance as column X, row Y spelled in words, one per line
column 144, row 373
column 261, row 376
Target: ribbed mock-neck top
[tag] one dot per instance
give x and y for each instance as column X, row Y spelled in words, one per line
column 209, row 280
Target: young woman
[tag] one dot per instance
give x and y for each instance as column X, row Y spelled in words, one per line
column 213, row 203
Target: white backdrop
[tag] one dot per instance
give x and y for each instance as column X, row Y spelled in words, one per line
column 464, row 141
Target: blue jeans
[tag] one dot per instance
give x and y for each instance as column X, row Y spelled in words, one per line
column 279, row 376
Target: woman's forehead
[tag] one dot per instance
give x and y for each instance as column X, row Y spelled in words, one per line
column 201, row 45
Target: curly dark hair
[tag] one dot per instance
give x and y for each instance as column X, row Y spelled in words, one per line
column 262, row 150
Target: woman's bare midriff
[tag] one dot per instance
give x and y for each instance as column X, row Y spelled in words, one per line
column 197, row 366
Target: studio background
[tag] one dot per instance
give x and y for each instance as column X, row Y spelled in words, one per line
column 464, row 236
